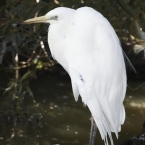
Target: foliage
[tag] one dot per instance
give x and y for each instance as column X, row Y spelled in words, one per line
column 24, row 42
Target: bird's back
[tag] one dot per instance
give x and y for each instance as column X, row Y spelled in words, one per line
column 97, row 70
column 92, row 55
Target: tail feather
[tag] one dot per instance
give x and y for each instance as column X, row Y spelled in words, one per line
column 105, row 122
column 101, row 121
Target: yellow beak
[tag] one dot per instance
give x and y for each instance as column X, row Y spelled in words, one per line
column 42, row 19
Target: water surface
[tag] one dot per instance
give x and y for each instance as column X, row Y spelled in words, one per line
column 56, row 119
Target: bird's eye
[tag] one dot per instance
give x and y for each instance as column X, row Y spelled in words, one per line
column 56, row 17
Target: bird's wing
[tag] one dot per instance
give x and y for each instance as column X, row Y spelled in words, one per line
column 96, row 65
column 110, row 82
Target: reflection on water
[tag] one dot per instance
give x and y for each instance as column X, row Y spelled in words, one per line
column 56, row 119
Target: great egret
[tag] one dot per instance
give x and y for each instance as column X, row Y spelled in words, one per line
column 86, row 45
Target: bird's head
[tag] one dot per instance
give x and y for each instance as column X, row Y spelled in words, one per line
column 60, row 14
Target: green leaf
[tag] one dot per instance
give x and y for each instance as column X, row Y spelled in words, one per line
column 28, row 41
column 18, row 39
column 2, row 50
column 10, row 87
column 26, row 75
column 14, row 43
column 20, row 88
column 30, row 93
column 16, row 97
column 18, row 7
column 37, row 105
column 126, row 8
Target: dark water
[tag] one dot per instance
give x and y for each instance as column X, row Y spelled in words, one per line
column 56, row 119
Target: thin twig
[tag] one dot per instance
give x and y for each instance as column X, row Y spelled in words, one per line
column 136, row 87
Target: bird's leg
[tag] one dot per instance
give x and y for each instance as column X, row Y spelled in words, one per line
column 92, row 132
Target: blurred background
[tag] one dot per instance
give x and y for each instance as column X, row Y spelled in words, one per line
column 37, row 106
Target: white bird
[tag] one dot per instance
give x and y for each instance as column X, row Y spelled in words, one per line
column 86, row 45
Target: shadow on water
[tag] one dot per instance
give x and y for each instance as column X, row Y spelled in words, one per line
column 56, row 119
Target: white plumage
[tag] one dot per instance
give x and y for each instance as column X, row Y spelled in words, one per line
column 86, row 45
